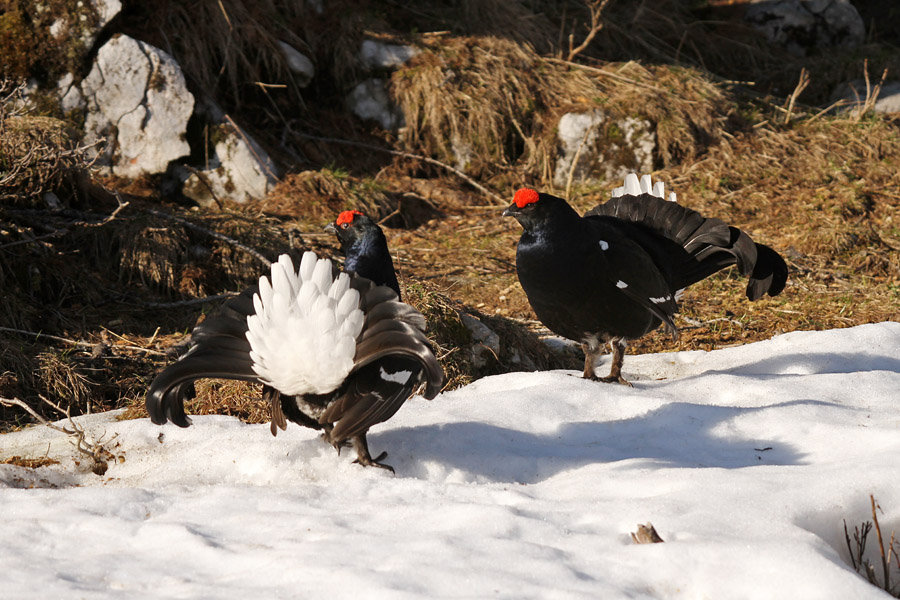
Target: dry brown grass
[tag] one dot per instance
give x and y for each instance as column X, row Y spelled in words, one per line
column 315, row 198
column 235, row 51
column 37, row 154
column 489, row 104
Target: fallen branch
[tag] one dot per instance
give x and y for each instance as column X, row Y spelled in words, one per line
column 80, row 223
column 189, row 302
column 646, row 534
column 37, row 335
column 98, row 451
column 215, row 234
column 427, row 159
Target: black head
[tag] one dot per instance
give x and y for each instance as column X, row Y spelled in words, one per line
column 531, row 209
column 365, row 248
column 352, row 226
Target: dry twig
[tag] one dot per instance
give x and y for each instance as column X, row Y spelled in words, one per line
column 215, row 234
column 98, row 451
column 801, row 85
column 646, row 534
column 596, row 7
column 36, row 335
column 427, row 159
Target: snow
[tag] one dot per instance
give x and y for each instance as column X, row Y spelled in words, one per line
column 525, row 485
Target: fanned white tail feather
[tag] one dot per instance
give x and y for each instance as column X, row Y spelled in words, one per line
column 303, row 335
column 635, row 187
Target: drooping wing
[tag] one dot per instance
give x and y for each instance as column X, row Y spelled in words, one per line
column 393, row 357
column 632, row 270
column 220, row 350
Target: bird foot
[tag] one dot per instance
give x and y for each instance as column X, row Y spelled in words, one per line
column 337, row 445
column 368, row 461
column 613, row 379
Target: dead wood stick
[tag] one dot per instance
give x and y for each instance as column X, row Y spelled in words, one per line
column 427, row 159
column 215, row 234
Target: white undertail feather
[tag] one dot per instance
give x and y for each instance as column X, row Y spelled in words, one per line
column 303, row 335
column 635, row 187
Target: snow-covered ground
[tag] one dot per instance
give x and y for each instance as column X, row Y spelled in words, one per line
column 526, row 485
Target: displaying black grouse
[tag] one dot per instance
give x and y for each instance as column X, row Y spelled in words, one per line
column 615, row 274
column 365, row 248
column 334, row 351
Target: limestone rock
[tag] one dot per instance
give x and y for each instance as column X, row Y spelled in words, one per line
column 137, row 99
column 298, row 63
column 854, row 92
column 609, row 149
column 804, row 25
column 82, row 25
column 70, row 96
column 370, row 100
column 379, row 55
column 239, row 171
column 487, row 342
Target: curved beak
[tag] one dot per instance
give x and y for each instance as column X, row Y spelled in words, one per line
column 511, row 211
column 330, row 228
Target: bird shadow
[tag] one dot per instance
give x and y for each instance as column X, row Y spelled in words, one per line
column 820, row 363
column 676, row 435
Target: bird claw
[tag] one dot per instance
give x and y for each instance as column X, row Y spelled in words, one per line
column 336, row 445
column 613, row 379
column 368, row 461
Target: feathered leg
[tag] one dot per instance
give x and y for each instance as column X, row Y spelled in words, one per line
column 364, row 458
column 592, row 351
column 336, row 444
column 615, row 372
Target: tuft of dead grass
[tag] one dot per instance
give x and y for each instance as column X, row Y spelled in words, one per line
column 37, row 154
column 29, row 463
column 315, row 198
column 486, row 104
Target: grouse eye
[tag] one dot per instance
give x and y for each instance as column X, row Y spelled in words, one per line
column 344, row 225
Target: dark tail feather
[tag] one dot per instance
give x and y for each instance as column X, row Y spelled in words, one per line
column 769, row 273
column 712, row 243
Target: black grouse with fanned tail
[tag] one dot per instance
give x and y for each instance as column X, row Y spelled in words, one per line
column 334, row 352
column 365, row 248
column 616, row 273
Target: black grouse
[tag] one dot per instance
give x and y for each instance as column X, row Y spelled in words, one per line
column 615, row 274
column 334, row 352
column 365, row 248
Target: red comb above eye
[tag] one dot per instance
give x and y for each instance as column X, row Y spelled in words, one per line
column 347, row 216
column 525, row 196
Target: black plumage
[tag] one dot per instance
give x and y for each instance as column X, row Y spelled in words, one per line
column 365, row 248
column 392, row 359
column 614, row 274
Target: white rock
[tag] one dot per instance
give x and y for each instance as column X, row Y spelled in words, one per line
column 487, row 342
column 240, row 171
column 106, row 10
column 801, row 25
column 70, row 96
column 298, row 63
column 370, row 100
column 599, row 158
column 137, row 99
column 58, row 29
column 375, row 54
column 854, row 92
